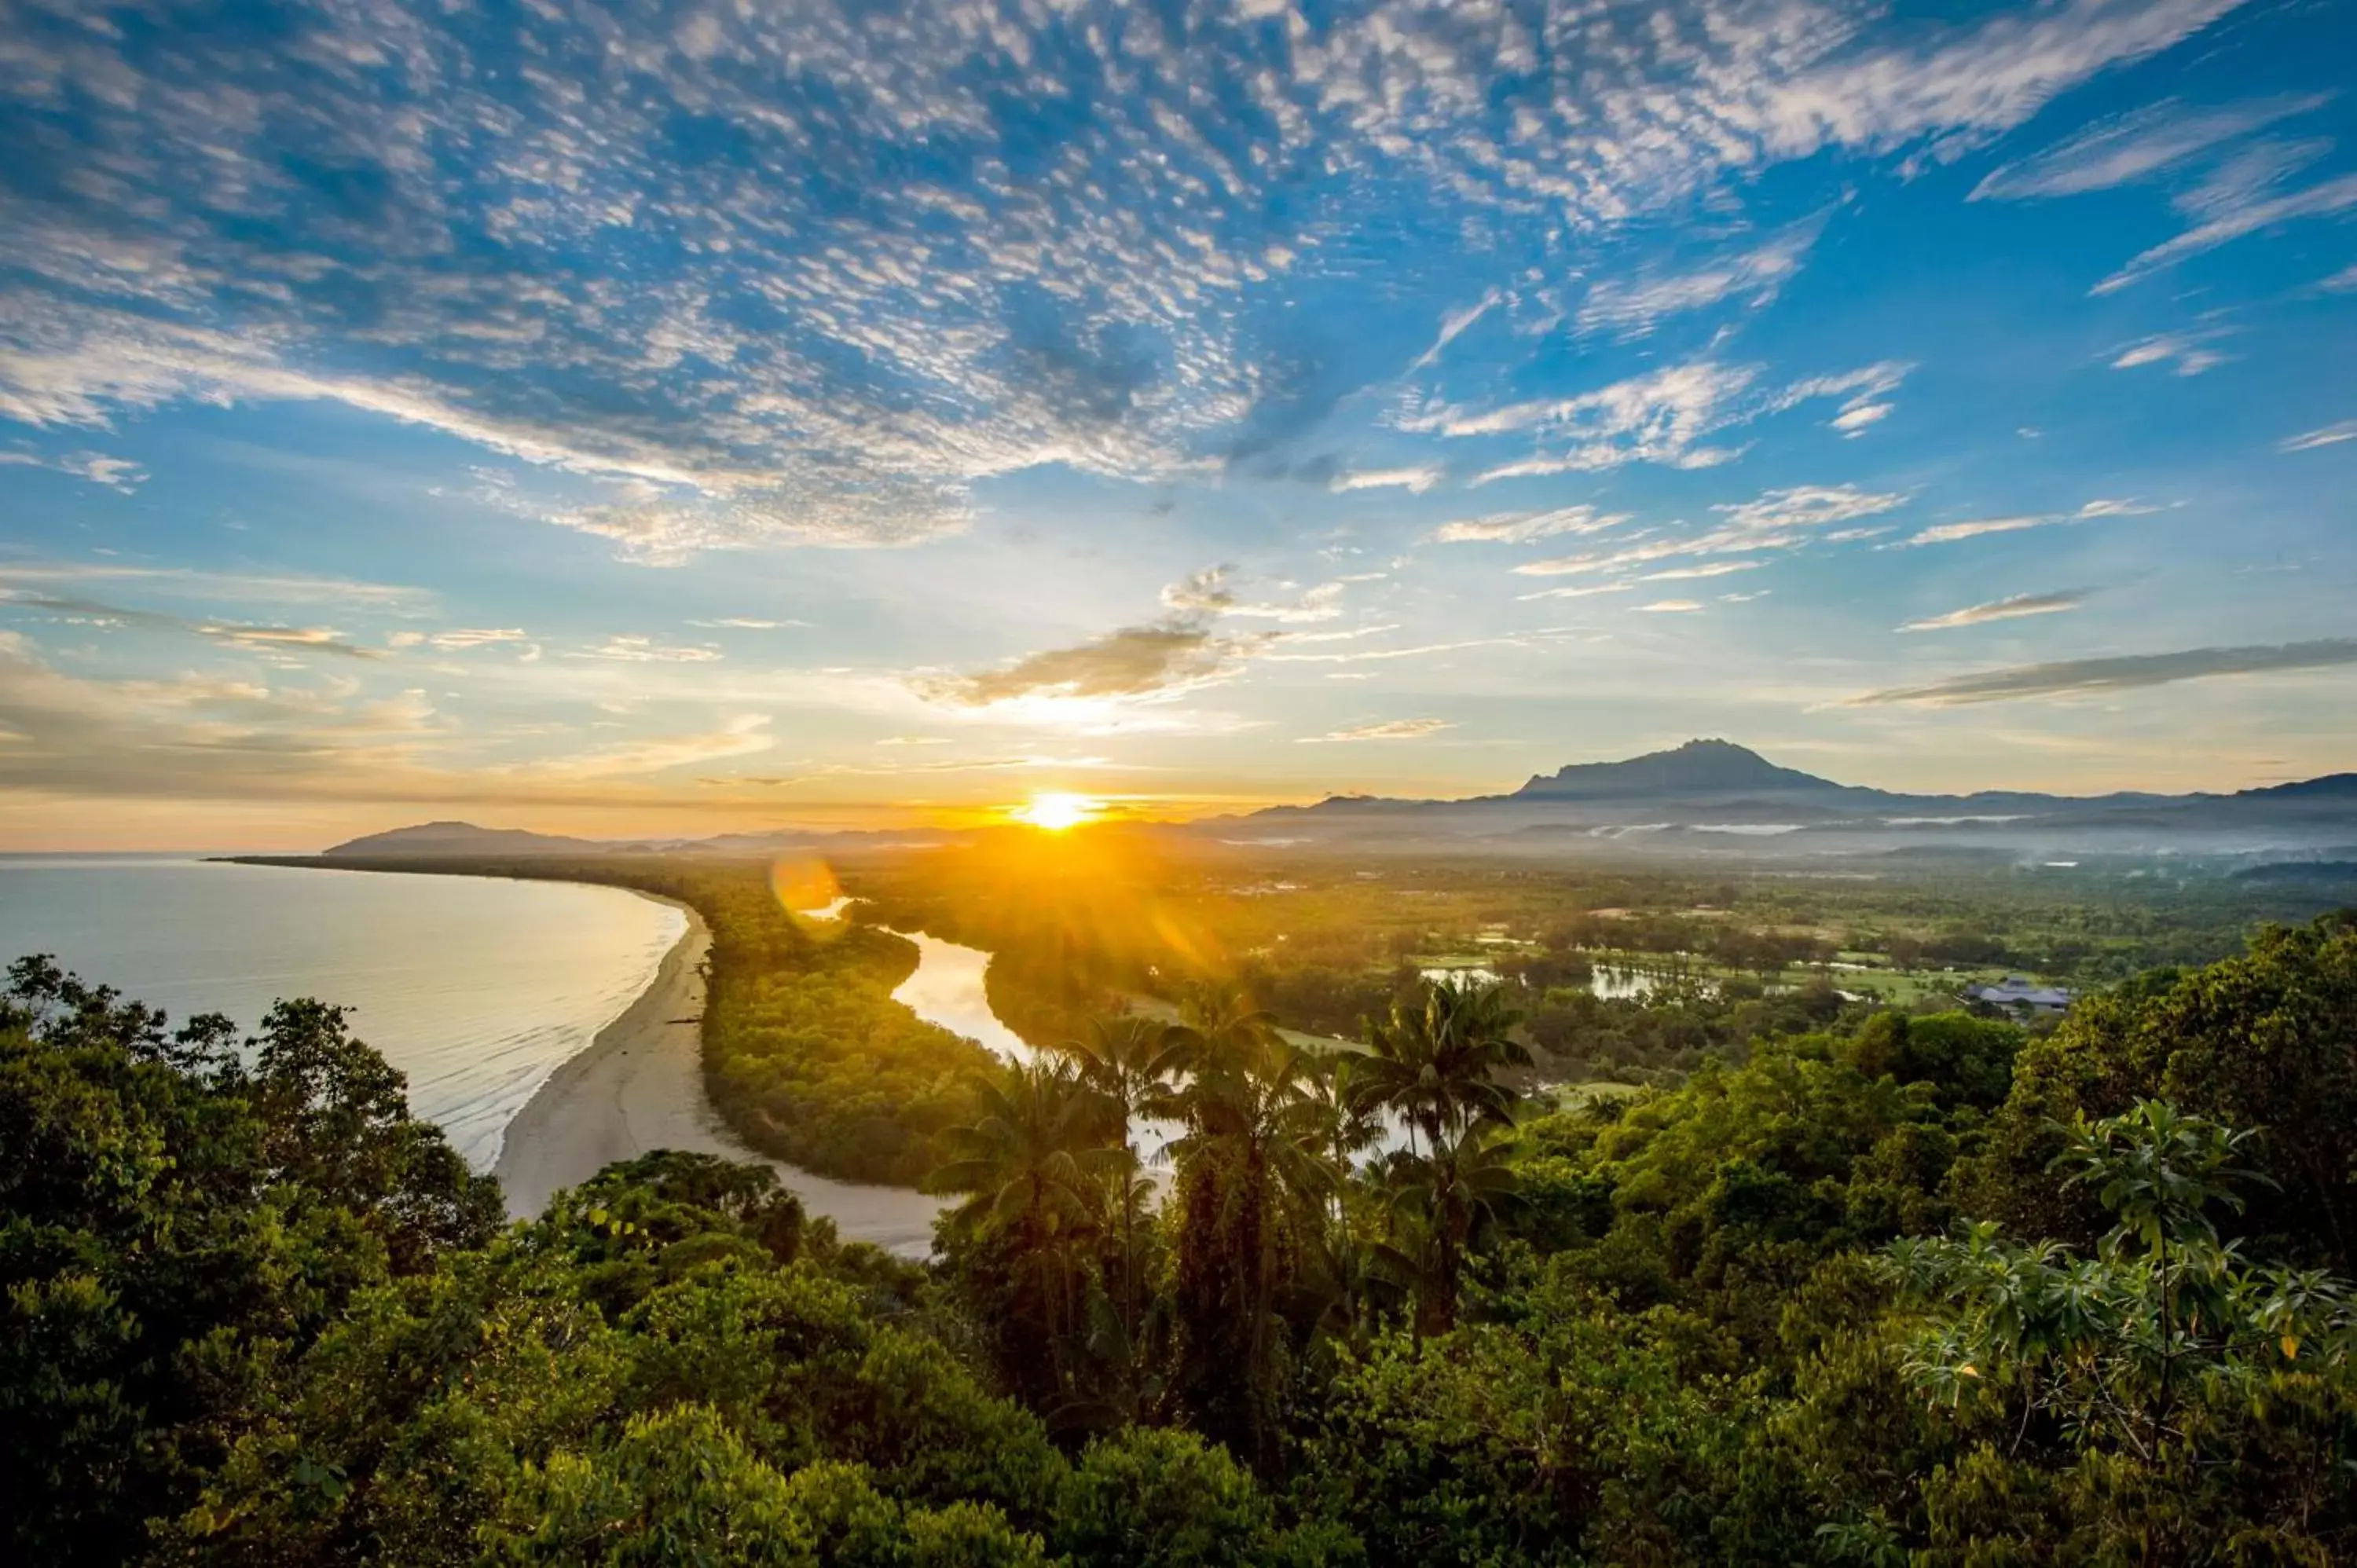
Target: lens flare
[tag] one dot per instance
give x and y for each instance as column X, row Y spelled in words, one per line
column 804, row 883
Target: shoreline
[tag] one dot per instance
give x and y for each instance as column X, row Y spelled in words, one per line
column 638, row 1086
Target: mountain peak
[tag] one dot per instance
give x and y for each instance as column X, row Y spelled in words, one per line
column 1706, row 767
column 447, row 838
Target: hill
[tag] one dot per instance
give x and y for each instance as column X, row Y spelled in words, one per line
column 1707, row 799
column 1698, row 767
column 1715, row 800
column 440, row 840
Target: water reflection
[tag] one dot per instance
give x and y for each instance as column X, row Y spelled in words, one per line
column 947, row 990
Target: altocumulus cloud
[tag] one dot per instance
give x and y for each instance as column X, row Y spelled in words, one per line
column 1163, row 659
column 2079, row 675
column 877, row 283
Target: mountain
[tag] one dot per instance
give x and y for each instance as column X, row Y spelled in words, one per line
column 2330, row 787
column 1715, row 800
column 443, row 839
column 1705, row 800
column 1698, row 767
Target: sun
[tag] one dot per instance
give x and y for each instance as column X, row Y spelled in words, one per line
column 1055, row 810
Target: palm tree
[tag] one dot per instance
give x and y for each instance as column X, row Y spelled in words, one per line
column 1341, row 1085
column 1033, row 1169
column 1122, row 1061
column 1252, row 1180
column 1435, row 1063
column 1449, row 1196
column 1435, row 1067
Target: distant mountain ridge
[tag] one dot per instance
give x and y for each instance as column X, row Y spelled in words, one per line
column 1713, row 798
column 1708, row 799
column 1698, row 767
column 429, row 838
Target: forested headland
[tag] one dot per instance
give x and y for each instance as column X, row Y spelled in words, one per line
column 1905, row 1286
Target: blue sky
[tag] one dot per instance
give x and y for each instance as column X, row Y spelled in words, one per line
column 646, row 418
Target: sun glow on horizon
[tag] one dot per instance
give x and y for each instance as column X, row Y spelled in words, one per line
column 1054, row 810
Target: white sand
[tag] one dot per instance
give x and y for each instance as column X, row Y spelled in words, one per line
column 639, row 1086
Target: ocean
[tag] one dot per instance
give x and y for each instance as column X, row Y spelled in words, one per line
column 474, row 988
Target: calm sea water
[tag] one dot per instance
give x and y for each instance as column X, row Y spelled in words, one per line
column 476, row 989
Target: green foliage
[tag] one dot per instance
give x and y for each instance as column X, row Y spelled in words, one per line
column 2267, row 1040
column 1568, row 1436
column 1885, row 1288
column 681, row 1487
column 1162, row 1499
column 172, row 1224
column 2141, row 1383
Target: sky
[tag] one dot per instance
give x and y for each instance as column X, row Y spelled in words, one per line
column 639, row 418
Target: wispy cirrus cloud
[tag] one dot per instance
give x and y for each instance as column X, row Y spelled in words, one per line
column 2132, row 147
column 636, row 647
column 119, row 474
column 2011, row 607
column 1809, row 506
column 2239, row 182
column 2188, row 350
column 1454, row 325
column 2247, row 201
column 999, row 764
column 1712, row 569
column 191, row 583
column 1415, row 480
column 1784, row 518
column 1578, row 591
column 746, row 735
column 2079, row 676
column 1632, row 307
column 1663, row 416
column 1522, row 527
column 1390, row 729
column 2328, row 435
column 248, row 638
column 1975, row 528
column 459, row 639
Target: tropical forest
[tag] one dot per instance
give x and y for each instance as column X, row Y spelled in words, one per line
column 1745, row 1269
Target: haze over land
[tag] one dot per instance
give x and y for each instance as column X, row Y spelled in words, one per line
column 1707, row 799
column 855, row 418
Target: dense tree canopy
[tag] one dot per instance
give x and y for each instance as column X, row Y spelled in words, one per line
column 1912, row 1287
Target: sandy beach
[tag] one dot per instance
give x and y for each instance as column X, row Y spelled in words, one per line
column 639, row 1086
